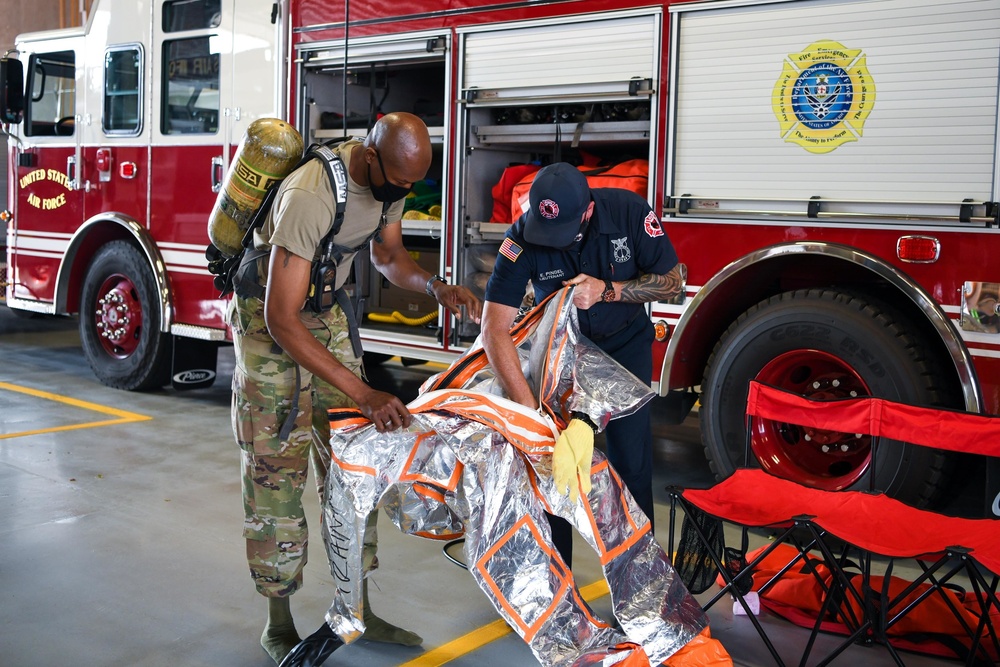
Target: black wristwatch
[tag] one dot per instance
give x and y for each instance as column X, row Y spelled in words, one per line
column 429, row 288
column 585, row 418
column 608, row 295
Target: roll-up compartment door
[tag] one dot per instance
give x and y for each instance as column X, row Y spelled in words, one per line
column 394, row 49
column 909, row 114
column 596, row 58
column 576, row 89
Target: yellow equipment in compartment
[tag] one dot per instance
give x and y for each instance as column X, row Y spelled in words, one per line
column 399, row 318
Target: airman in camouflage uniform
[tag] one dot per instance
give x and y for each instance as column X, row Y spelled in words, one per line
column 275, row 525
column 283, row 383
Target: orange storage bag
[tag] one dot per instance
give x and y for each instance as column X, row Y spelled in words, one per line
column 629, row 175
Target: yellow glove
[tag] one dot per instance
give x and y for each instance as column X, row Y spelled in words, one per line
column 572, row 456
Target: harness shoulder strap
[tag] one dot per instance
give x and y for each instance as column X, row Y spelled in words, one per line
column 337, row 174
column 330, row 249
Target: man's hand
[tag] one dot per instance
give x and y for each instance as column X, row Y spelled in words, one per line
column 588, row 290
column 571, row 457
column 386, row 411
column 453, row 297
column 390, row 258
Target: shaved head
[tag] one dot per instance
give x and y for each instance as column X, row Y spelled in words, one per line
column 404, row 144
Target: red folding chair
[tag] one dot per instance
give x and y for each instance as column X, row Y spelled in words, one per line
column 868, row 523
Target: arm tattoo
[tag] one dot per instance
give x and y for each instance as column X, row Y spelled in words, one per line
column 287, row 256
column 652, row 287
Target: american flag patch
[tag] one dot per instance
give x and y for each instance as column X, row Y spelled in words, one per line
column 510, row 250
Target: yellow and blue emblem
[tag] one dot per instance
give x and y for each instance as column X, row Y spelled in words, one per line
column 823, row 96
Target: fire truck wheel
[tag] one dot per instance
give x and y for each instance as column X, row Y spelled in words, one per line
column 120, row 320
column 822, row 344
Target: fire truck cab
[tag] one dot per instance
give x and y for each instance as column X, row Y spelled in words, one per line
column 120, row 135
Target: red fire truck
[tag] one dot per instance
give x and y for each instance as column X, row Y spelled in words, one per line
column 827, row 170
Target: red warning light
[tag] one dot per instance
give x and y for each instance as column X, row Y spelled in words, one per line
column 918, row 249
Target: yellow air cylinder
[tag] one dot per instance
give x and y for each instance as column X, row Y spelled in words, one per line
column 269, row 150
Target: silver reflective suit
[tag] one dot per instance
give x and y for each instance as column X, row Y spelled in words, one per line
column 474, row 462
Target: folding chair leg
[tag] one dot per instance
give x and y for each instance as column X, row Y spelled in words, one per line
column 862, row 597
column 824, row 608
column 929, row 574
column 731, row 585
column 987, row 596
column 883, row 607
column 936, row 585
column 883, row 611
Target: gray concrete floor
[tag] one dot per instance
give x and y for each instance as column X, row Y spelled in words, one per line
column 120, row 544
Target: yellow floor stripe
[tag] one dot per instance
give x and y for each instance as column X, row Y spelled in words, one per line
column 123, row 417
column 490, row 632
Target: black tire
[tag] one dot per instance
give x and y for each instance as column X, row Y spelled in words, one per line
column 372, row 359
column 135, row 355
column 826, row 344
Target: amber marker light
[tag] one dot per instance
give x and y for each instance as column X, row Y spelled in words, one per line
column 661, row 331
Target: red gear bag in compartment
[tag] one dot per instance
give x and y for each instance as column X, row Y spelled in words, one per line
column 630, row 175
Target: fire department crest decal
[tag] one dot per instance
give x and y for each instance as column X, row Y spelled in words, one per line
column 549, row 209
column 823, row 96
column 621, row 249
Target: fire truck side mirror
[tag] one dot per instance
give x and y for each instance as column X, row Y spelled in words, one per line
column 11, row 90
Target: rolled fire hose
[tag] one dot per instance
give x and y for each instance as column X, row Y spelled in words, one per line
column 402, row 319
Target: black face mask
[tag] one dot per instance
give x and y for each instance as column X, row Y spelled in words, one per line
column 387, row 192
column 582, row 234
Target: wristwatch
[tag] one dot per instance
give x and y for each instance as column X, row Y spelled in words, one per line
column 585, row 418
column 608, row 295
column 429, row 288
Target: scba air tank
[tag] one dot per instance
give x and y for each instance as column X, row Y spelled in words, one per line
column 269, row 150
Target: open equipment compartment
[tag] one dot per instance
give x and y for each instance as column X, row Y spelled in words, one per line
column 407, row 73
column 564, row 90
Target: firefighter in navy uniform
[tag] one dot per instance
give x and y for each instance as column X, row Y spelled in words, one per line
column 609, row 243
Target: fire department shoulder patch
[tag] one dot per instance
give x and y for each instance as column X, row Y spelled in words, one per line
column 652, row 224
column 510, row 250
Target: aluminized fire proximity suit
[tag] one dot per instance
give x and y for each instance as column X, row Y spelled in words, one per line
column 474, row 462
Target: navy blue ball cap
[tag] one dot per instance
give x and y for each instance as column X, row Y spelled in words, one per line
column 558, row 197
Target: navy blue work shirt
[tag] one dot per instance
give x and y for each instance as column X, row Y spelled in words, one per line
column 623, row 240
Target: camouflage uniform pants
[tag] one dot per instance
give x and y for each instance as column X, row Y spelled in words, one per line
column 275, row 470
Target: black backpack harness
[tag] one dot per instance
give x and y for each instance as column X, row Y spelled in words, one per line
column 239, row 274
